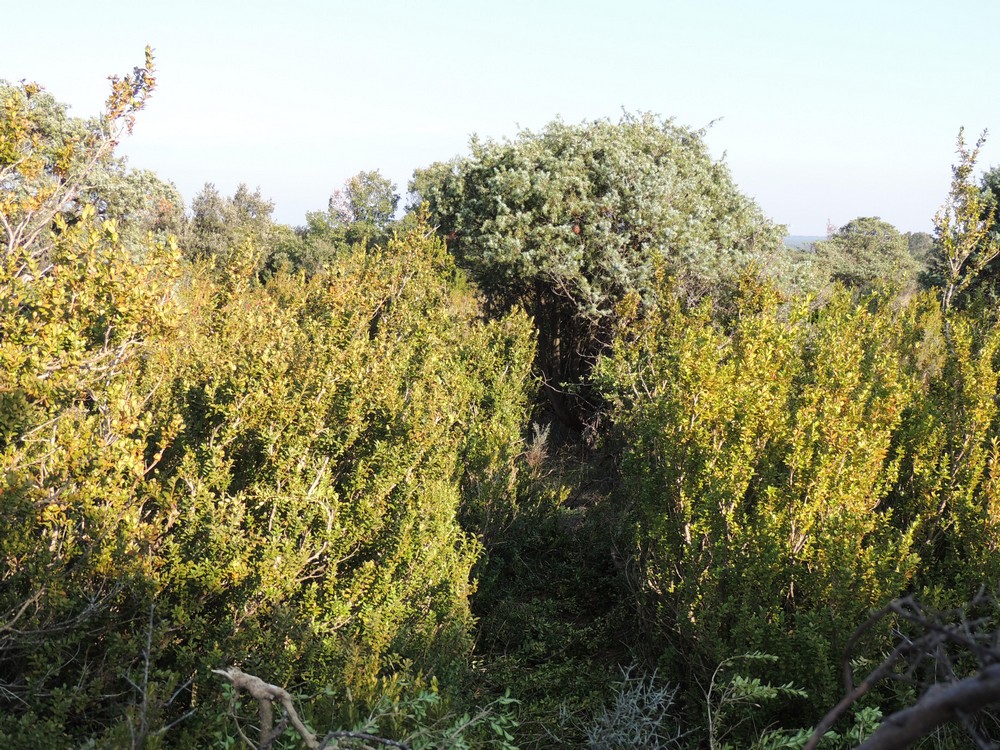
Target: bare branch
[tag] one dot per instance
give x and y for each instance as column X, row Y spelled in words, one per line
column 940, row 705
column 942, row 641
column 13, row 616
column 265, row 694
column 881, row 672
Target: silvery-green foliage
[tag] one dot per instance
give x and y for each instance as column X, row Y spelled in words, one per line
column 640, row 714
column 572, row 220
column 586, row 209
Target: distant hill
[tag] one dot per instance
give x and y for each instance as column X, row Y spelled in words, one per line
column 801, row 241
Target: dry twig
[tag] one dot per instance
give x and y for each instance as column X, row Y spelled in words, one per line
column 952, row 696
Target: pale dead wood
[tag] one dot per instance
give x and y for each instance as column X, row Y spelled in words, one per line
column 266, row 695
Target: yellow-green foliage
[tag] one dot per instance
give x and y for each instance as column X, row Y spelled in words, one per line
column 949, row 484
column 800, row 464
column 75, row 529
column 274, row 472
column 329, row 420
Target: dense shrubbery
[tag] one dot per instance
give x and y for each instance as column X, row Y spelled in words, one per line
column 198, row 469
column 758, row 454
column 302, row 451
column 276, row 471
column 794, row 467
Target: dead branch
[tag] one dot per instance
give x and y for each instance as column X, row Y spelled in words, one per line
column 954, row 696
column 266, row 694
column 939, row 705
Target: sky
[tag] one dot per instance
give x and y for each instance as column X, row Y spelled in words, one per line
column 824, row 111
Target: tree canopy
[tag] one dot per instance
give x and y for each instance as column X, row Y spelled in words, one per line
column 223, row 229
column 866, row 251
column 367, row 197
column 571, row 220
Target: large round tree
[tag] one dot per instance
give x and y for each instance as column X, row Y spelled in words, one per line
column 571, row 220
column 867, row 251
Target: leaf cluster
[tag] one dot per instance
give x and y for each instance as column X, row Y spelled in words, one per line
column 569, row 221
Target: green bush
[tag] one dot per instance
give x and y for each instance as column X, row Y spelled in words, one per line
column 761, row 460
column 275, row 472
column 569, row 220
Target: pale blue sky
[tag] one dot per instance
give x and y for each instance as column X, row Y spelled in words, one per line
column 828, row 110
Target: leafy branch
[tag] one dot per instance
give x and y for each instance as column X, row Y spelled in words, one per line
column 962, row 225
